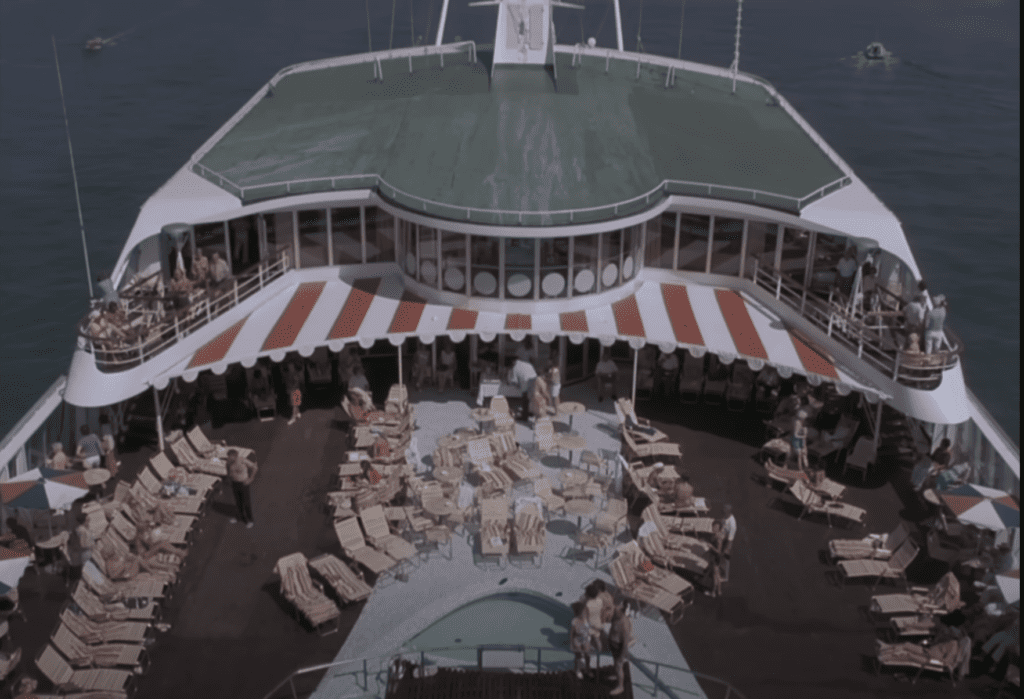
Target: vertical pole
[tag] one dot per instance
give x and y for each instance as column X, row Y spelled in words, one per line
column 636, row 354
column 400, row 362
column 682, row 14
column 159, row 419
column 369, row 38
column 440, row 28
column 878, row 422
column 618, row 26
column 736, row 52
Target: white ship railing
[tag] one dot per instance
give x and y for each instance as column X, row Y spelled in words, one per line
column 872, row 343
column 364, row 678
column 491, row 216
column 159, row 328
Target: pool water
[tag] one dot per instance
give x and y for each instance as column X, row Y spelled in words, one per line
column 514, row 618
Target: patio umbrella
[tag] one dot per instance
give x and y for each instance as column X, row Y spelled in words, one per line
column 12, row 567
column 43, row 489
column 1009, row 585
column 982, row 506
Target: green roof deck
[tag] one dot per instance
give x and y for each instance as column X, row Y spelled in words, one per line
column 457, row 147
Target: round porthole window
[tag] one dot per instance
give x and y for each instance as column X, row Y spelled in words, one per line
column 484, row 283
column 428, row 271
column 553, row 284
column 610, row 275
column 627, row 268
column 454, row 279
column 584, row 281
column 519, row 285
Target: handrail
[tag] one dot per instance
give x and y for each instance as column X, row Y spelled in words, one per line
column 32, row 419
column 922, row 371
column 178, row 323
column 552, row 217
column 383, row 671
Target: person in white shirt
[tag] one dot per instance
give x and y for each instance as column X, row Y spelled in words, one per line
column 846, row 269
column 219, row 270
column 730, row 533
column 522, row 377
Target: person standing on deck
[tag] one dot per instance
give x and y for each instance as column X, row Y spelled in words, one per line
column 293, row 383
column 555, row 385
column 522, row 376
column 242, row 473
column 730, row 533
column 606, row 371
column 934, row 321
column 620, row 638
column 90, row 448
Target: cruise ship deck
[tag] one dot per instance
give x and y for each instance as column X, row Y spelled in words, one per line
column 231, row 635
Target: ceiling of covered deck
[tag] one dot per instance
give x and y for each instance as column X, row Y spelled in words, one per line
column 336, row 312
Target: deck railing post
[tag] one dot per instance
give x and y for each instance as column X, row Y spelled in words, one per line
column 366, row 677
column 236, row 290
column 657, row 666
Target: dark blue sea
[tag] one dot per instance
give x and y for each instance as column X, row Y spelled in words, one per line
column 936, row 136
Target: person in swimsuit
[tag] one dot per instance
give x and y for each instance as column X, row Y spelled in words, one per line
column 620, row 637
column 579, row 638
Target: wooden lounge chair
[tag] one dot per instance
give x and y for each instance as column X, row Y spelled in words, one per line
column 647, row 570
column 176, row 533
column 634, row 450
column 168, row 566
column 66, row 678
column 862, row 457
column 354, row 545
column 941, row 598
column 207, row 449
column 640, row 428
column 947, row 657
column 192, row 505
column 520, row 466
column 380, row 536
column 307, row 597
column 189, row 459
column 788, row 476
column 140, row 501
column 349, row 586
column 814, row 503
column 164, row 470
column 529, row 533
column 494, row 527
column 671, row 540
column 685, row 559
column 552, row 502
column 643, row 592
column 98, row 611
column 92, row 632
column 544, row 435
column 502, row 415
column 80, row 654
column 892, row 569
column 108, row 591
column 612, row 518
column 877, row 546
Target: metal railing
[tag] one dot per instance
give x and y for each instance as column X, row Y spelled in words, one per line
column 371, row 677
column 491, row 216
column 875, row 344
column 158, row 328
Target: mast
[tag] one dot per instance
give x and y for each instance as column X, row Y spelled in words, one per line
column 440, row 28
column 735, row 67
column 618, row 26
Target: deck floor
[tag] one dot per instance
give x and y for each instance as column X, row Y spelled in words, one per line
column 780, row 630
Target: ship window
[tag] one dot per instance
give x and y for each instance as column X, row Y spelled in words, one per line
column 313, row 238
column 761, row 241
column 630, row 246
column 554, row 267
column 380, row 235
column 346, row 239
column 661, row 241
column 210, row 241
column 485, row 261
column 693, row 242
column 245, row 243
column 795, row 245
column 828, row 251
column 278, row 231
column 611, row 259
column 584, row 267
column 519, row 271
column 428, row 256
column 727, row 246
column 453, row 261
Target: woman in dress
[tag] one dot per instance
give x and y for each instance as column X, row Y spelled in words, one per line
column 580, row 638
column 620, row 638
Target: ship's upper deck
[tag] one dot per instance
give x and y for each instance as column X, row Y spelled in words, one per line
column 460, row 143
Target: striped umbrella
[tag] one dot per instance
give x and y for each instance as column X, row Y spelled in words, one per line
column 43, row 489
column 982, row 506
column 12, row 567
column 1009, row 585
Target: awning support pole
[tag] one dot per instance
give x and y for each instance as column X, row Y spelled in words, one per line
column 636, row 354
column 878, row 423
column 159, row 419
column 400, row 362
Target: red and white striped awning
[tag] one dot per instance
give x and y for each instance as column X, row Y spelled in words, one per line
column 670, row 315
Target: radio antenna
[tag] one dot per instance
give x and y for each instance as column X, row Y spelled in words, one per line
column 74, row 176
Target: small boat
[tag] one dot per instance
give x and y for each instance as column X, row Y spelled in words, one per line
column 876, row 52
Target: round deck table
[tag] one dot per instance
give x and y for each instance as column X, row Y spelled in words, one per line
column 581, row 507
column 574, row 477
column 439, row 508
column 96, row 476
column 570, row 441
column 448, row 441
column 449, row 474
column 570, row 408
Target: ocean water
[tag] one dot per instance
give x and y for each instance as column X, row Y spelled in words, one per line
column 936, row 136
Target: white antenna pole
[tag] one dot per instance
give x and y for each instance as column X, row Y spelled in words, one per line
column 618, row 26
column 440, row 29
column 736, row 54
column 74, row 177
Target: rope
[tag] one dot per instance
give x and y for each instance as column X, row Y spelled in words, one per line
column 391, row 37
column 639, row 26
column 369, row 38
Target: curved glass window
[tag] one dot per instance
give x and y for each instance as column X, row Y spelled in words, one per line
column 762, row 239
column 611, row 259
column 693, row 242
column 727, row 246
column 453, row 261
column 554, row 267
column 519, row 268
column 796, row 244
column 313, row 238
column 828, row 251
column 584, row 264
column 346, row 237
column 630, row 248
column 485, row 264
column 380, row 235
column 428, row 270
column 245, row 243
